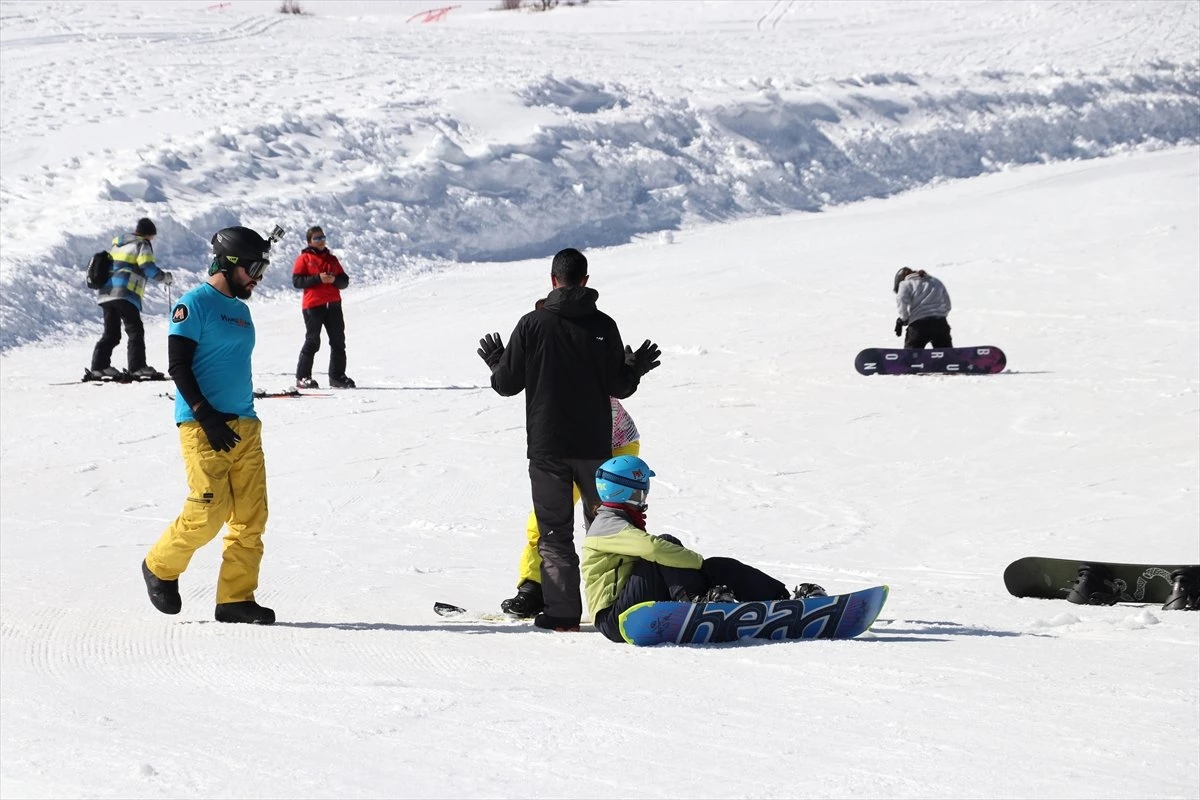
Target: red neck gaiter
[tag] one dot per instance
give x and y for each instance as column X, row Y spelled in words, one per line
column 636, row 516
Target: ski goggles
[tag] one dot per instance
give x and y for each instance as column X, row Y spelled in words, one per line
column 254, row 268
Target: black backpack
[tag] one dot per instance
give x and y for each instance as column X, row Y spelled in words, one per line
column 99, row 269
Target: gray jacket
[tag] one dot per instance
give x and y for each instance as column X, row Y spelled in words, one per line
column 920, row 297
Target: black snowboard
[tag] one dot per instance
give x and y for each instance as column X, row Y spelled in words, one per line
column 1052, row 578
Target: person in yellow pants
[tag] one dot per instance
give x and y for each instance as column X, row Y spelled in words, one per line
column 210, row 343
column 626, row 441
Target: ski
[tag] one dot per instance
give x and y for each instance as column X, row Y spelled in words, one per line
column 124, row 377
column 262, row 394
column 450, row 611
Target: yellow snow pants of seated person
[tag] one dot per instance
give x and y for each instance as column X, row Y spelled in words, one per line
column 222, row 487
column 530, row 568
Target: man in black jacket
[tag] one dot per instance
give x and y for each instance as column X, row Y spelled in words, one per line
column 568, row 358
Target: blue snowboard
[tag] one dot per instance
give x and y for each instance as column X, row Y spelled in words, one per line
column 842, row 616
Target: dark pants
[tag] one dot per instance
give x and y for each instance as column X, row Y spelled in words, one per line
column 551, row 481
column 931, row 330
column 651, row 581
column 330, row 317
column 117, row 312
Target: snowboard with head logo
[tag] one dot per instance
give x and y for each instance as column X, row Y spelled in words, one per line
column 842, row 616
column 944, row 360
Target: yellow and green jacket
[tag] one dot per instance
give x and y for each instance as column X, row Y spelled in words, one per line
column 133, row 263
column 613, row 546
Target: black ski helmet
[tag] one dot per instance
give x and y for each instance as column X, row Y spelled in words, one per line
column 239, row 246
column 901, row 274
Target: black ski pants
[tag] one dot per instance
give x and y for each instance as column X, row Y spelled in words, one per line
column 930, row 330
column 650, row 581
column 328, row 316
column 551, row 481
column 116, row 313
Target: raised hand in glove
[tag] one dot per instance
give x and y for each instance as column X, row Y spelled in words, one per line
column 491, row 349
column 220, row 436
column 168, row 278
column 644, row 359
column 899, row 326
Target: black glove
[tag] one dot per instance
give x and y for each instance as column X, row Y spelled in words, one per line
column 899, row 325
column 491, row 349
column 220, row 436
column 645, row 359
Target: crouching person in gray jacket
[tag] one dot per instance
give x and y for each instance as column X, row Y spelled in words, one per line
column 922, row 304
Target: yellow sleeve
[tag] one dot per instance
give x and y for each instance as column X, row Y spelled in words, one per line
column 631, row 541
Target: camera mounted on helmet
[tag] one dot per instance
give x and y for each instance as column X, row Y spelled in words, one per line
column 239, row 246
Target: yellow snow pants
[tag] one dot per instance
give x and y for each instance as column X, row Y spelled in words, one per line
column 530, row 567
column 228, row 487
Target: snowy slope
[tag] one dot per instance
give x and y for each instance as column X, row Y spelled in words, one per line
column 499, row 136
column 768, row 446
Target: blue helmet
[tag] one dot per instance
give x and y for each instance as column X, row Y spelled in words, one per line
column 624, row 479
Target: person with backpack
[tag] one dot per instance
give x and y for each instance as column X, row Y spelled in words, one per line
column 121, row 301
column 922, row 303
column 624, row 564
column 210, row 344
column 319, row 273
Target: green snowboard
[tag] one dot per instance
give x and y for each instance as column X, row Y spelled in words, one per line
column 1052, row 578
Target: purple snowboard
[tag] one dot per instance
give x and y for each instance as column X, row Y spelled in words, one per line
column 951, row 360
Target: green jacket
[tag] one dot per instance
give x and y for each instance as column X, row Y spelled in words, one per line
column 613, row 546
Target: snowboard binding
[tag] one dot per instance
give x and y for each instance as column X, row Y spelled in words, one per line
column 1185, row 590
column 1094, row 586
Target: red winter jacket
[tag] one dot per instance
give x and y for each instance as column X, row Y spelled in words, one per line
column 306, row 275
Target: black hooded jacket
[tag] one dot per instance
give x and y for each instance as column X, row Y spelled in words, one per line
column 568, row 357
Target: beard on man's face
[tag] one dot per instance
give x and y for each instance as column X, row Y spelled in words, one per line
column 242, row 284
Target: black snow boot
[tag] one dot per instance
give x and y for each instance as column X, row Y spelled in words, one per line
column 1094, row 586
column 808, row 590
column 718, row 594
column 105, row 374
column 1185, row 590
column 245, row 611
column 163, row 594
column 146, row 374
column 527, row 603
column 560, row 624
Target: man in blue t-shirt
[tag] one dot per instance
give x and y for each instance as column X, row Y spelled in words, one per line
column 209, row 345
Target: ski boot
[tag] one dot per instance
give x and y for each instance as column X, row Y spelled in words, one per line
column 527, row 603
column 106, row 374
column 1094, row 586
column 307, row 383
column 342, row 383
column 808, row 590
column 245, row 611
column 146, row 374
column 164, row 595
column 1185, row 590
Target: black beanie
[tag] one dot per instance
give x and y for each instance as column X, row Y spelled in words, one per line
column 145, row 227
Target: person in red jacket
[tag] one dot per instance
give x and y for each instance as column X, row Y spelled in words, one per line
column 319, row 273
